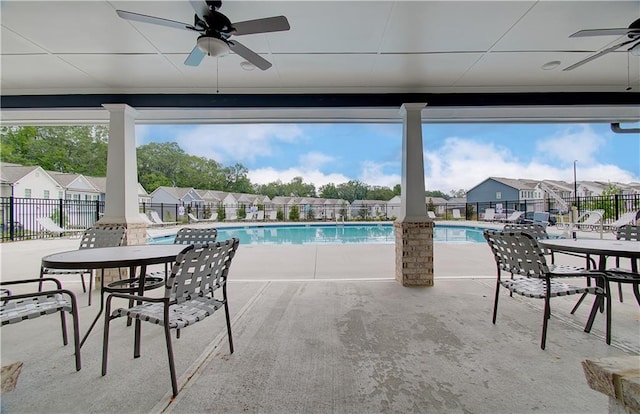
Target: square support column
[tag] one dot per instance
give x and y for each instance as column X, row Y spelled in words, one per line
column 413, row 229
column 121, row 199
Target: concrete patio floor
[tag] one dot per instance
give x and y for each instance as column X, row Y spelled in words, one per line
column 326, row 329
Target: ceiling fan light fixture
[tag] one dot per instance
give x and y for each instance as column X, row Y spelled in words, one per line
column 551, row 65
column 213, row 46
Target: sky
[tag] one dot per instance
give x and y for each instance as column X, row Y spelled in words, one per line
column 456, row 156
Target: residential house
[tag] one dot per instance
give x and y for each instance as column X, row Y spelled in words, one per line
column 27, row 182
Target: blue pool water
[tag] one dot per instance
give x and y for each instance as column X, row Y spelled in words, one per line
column 333, row 234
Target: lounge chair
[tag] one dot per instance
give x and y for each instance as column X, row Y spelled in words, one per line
column 431, row 215
column 489, row 215
column 514, row 217
column 589, row 220
column 260, row 215
column 630, row 217
column 456, row 214
column 193, row 218
column 214, row 217
column 156, row 219
column 250, row 216
column 52, row 227
column 273, row 215
column 146, row 220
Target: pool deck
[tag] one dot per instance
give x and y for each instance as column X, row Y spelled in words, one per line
column 326, row 329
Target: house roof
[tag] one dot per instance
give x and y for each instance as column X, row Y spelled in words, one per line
column 12, row 173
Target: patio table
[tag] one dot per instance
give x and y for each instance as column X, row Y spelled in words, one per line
column 596, row 247
column 132, row 256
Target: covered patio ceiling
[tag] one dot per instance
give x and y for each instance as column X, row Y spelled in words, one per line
column 340, row 62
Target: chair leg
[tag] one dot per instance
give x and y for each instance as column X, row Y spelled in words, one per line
column 105, row 337
column 226, row 312
column 546, row 315
column 636, row 292
column 84, row 286
column 76, row 332
column 495, row 302
column 620, row 292
column 607, row 299
column 90, row 286
column 172, row 367
column 63, row 322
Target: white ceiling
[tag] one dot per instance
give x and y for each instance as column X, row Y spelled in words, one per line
column 364, row 47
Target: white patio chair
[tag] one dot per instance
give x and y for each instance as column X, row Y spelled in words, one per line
column 273, row 215
column 260, row 215
column 431, row 215
column 489, row 214
column 50, row 226
column 193, row 218
column 628, row 218
column 514, row 217
column 146, row 220
column 156, row 219
column 589, row 220
column 192, row 293
column 456, row 214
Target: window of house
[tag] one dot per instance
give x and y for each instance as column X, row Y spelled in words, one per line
column 76, row 197
column 46, row 194
column 60, row 195
column 27, row 193
column 498, row 195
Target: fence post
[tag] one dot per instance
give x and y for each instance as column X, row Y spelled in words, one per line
column 616, row 206
column 60, row 213
column 11, row 219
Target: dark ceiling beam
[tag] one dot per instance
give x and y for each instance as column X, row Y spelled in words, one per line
column 318, row 100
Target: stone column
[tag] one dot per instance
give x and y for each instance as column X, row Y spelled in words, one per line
column 413, row 228
column 121, row 200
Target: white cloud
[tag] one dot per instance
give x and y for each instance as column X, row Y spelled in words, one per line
column 464, row 163
column 571, row 143
column 313, row 160
column 373, row 174
column 317, row 177
column 236, row 143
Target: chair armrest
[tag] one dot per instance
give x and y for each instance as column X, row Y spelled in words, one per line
column 38, row 280
column 138, row 298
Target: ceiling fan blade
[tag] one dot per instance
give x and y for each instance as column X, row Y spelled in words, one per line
column 599, row 54
column 136, row 17
column 251, row 56
column 200, row 7
column 268, row 24
column 195, row 57
column 605, row 32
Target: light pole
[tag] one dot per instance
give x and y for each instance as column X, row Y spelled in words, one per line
column 575, row 186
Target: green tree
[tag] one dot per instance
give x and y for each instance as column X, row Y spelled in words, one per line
column 380, row 193
column 436, row 193
column 397, row 189
column 237, row 180
column 294, row 213
column 80, row 149
column 430, row 205
column 297, row 188
column 352, row 190
column 329, row 191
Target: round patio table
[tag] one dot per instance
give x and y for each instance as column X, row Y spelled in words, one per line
column 132, row 256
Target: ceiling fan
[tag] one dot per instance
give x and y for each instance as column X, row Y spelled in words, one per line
column 632, row 32
column 216, row 30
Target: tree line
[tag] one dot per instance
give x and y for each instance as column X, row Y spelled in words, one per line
column 82, row 149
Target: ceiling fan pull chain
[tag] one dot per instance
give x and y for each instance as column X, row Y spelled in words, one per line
column 217, row 75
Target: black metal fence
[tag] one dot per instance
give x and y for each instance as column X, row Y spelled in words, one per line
column 18, row 215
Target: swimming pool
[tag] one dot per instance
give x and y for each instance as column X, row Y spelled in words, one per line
column 351, row 233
